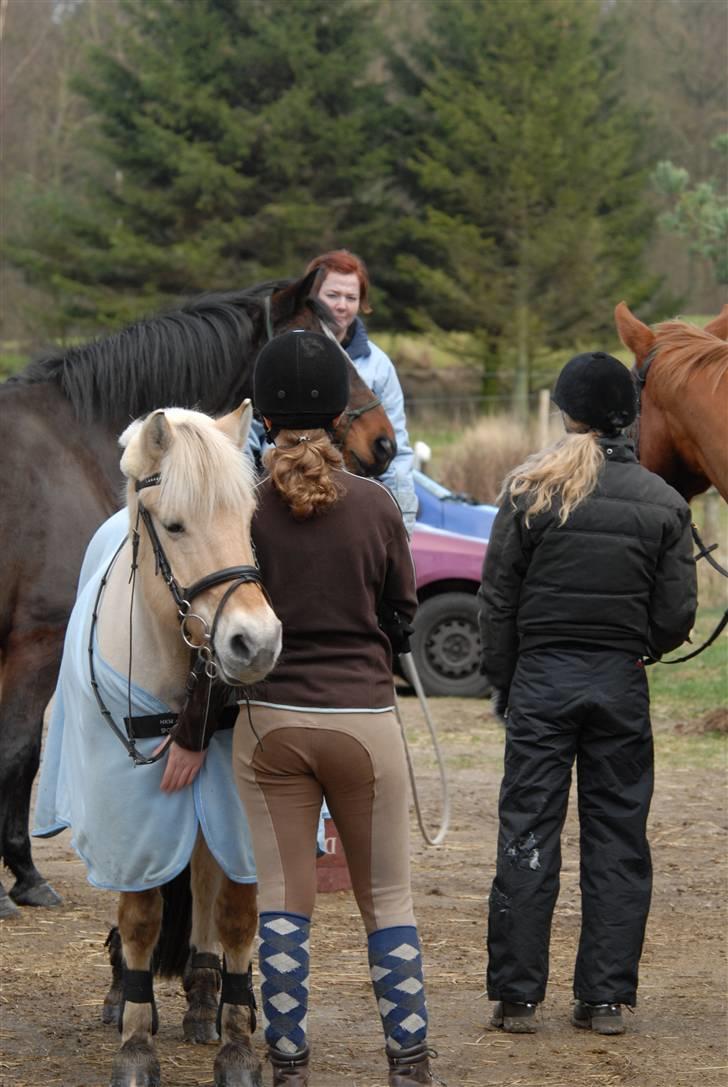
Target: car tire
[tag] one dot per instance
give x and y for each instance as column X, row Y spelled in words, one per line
column 446, row 646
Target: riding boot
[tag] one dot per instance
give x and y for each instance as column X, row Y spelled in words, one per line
column 289, row 1069
column 410, row 1066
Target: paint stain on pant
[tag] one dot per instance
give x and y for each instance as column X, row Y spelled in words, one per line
column 524, row 852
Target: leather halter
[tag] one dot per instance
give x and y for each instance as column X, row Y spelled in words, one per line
column 639, row 376
column 205, row 661
column 352, row 414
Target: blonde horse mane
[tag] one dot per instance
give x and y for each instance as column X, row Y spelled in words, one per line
column 203, row 471
column 684, row 349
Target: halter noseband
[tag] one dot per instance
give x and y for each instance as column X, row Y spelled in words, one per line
column 639, row 376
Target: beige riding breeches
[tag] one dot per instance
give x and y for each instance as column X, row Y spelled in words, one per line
column 286, row 761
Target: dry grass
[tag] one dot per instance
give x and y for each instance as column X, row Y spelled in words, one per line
column 478, row 461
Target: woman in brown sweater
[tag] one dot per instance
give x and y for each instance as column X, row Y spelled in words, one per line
column 335, row 560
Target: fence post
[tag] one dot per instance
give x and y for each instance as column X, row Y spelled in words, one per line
column 544, row 402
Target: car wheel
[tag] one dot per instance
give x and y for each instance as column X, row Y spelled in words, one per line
column 446, row 646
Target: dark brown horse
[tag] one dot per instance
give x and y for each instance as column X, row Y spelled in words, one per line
column 60, row 420
column 682, row 373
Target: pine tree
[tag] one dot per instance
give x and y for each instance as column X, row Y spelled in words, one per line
column 527, row 178
column 235, row 140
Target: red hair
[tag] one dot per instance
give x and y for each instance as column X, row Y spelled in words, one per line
column 345, row 263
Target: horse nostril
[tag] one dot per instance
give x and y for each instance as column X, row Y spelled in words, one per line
column 385, row 448
column 240, row 647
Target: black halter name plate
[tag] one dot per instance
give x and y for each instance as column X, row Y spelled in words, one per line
column 151, row 725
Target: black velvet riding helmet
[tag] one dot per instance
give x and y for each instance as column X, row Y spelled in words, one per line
column 596, row 389
column 301, row 381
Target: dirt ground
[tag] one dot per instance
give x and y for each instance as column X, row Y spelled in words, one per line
column 54, row 971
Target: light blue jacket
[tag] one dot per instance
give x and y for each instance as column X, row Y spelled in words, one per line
column 377, row 371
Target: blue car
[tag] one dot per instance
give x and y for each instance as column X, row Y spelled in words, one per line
column 444, row 509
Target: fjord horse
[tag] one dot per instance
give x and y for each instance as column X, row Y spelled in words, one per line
column 60, row 419
column 682, row 374
column 190, row 497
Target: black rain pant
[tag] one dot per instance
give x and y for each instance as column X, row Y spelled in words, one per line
column 591, row 705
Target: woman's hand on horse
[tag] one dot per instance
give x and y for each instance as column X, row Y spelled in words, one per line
column 181, row 768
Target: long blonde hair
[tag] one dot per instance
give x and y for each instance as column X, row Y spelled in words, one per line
column 567, row 470
column 301, row 466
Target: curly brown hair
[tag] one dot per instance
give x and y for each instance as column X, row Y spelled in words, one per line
column 302, row 465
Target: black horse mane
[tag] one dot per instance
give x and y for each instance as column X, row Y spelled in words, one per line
column 198, row 356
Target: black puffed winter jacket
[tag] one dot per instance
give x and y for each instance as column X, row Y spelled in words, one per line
column 618, row 574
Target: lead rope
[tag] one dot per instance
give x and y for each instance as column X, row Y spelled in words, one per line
column 704, row 552
column 408, row 666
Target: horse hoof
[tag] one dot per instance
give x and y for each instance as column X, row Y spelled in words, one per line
column 7, row 907
column 135, row 1065
column 200, row 1031
column 111, row 1010
column 236, row 1065
column 39, row 894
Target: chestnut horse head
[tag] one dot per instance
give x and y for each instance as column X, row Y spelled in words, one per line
column 682, row 373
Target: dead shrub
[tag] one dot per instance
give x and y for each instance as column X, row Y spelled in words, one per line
column 478, row 462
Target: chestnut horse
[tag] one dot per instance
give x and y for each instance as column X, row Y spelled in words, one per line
column 60, row 419
column 682, row 373
column 190, row 498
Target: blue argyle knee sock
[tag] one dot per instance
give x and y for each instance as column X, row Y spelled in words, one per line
column 284, row 959
column 395, row 965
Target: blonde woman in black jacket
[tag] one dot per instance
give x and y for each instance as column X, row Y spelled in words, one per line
column 589, row 569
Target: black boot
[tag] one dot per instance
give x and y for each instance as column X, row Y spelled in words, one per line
column 289, row 1069
column 408, row 1067
column 514, row 1018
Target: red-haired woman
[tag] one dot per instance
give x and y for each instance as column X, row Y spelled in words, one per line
column 344, row 287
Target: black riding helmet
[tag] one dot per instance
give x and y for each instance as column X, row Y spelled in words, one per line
column 301, row 381
column 596, row 389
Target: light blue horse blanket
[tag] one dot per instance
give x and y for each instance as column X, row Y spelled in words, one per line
column 130, row 835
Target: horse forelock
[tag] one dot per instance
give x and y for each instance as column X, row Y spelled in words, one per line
column 684, row 350
column 203, row 471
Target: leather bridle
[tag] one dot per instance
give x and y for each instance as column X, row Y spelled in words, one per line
column 205, row 662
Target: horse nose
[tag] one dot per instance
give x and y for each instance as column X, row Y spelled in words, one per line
column 385, row 450
column 253, row 657
column 240, row 648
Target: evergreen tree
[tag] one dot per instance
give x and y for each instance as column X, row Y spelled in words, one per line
column 532, row 220
column 236, row 139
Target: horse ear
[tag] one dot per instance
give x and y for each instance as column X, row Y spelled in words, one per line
column 290, row 300
column 157, row 435
column 237, row 424
column 632, row 332
column 719, row 325
column 144, row 442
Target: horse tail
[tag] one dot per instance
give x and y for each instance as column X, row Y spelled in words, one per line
column 171, row 953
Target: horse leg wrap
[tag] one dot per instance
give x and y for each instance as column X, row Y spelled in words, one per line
column 238, row 989
column 395, row 966
column 138, row 988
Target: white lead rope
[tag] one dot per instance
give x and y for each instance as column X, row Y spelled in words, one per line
column 410, row 672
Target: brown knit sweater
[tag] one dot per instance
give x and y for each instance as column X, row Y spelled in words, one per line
column 327, row 577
